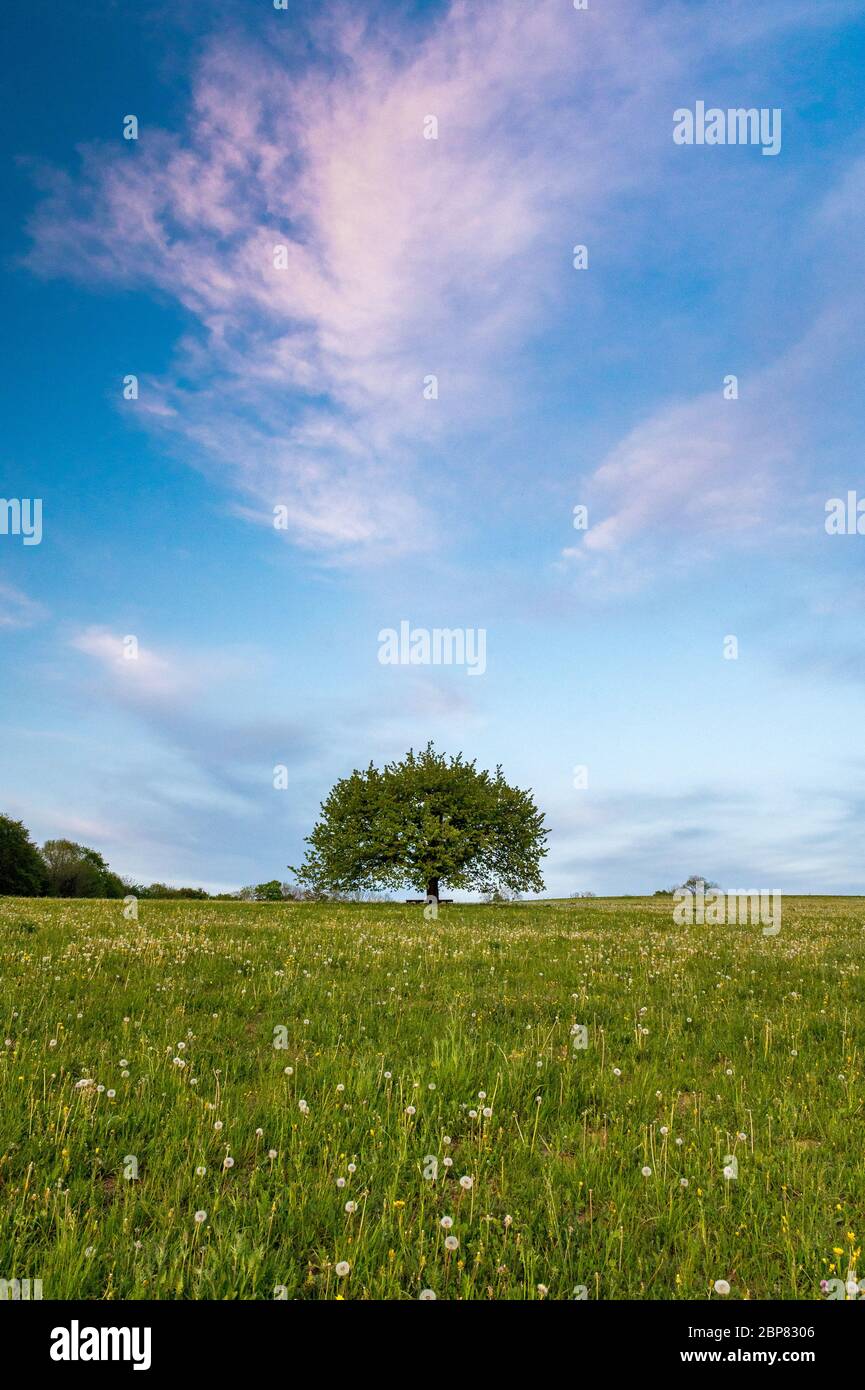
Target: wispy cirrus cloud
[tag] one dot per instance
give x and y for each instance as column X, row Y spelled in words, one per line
column 403, row 256
column 17, row 609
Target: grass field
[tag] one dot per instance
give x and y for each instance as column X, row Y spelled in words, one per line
column 703, row 1043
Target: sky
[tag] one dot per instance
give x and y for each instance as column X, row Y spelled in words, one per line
column 373, row 380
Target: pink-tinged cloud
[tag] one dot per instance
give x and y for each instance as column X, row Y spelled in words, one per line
column 403, row 258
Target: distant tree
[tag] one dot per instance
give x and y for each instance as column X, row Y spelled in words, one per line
column 75, row 871
column 270, row 892
column 695, row 884
column 22, row 868
column 421, row 822
column 585, row 894
column 162, row 890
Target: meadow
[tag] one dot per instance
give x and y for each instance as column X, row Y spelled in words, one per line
column 225, row 1100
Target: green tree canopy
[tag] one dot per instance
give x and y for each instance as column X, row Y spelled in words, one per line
column 75, row 871
column 427, row 820
column 22, row 868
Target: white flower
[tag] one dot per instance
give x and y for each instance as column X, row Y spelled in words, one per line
column 200, row 1216
column 303, row 1107
column 228, row 1162
column 448, row 1162
column 259, row 1133
column 446, row 1223
column 426, row 1295
column 351, row 1208
column 387, row 1076
column 488, row 1111
column 508, row 1221
column 123, row 1062
column 271, row 1153
column 200, row 1171
column 721, row 1286
column 288, row 1071
column 617, row 1071
column 340, row 1086
column 646, row 1172
column 664, row 1129
column 447, row 1139
column 466, row 1182
column 340, row 1182
column 410, row 1110
column 683, row 1182
column 543, row 1290
column 179, row 1062
column 79, row 1085
column 352, row 1167
column 343, row 1268
column 217, row 1125
column 451, row 1243
column 473, row 1114
column 482, row 1095
column 111, row 1094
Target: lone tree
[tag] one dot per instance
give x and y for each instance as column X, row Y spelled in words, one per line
column 22, row 868
column 427, row 820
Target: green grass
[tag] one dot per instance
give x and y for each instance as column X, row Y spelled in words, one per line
column 746, row 1035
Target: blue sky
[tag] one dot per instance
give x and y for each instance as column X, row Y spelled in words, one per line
column 302, row 387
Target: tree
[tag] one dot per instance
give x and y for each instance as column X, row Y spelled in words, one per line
column 22, row 868
column 270, row 892
column 695, row 884
column 74, row 871
column 427, row 820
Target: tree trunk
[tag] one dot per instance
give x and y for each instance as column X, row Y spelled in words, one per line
column 432, row 889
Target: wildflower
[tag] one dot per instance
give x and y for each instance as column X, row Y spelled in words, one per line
column 426, row 1295
column 448, row 1162
column 466, row 1182
column 508, row 1221
column 340, row 1182
column 259, row 1133
column 543, row 1290
column 351, row 1208
column 340, row 1087
column 664, row 1129
column 410, row 1110
column 343, row 1268
column 352, row 1167
column 446, row 1222
column 200, row 1216
column 123, row 1062
column 451, row 1243
column 303, row 1107
column 111, row 1094
column 721, row 1286
column 646, row 1172
column 617, row 1071
column 217, row 1125
column 482, row 1095
column 683, row 1182
column 200, row 1171
column 271, row 1153
column 228, row 1161
column 288, row 1071
column 487, row 1112
column 447, row 1139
